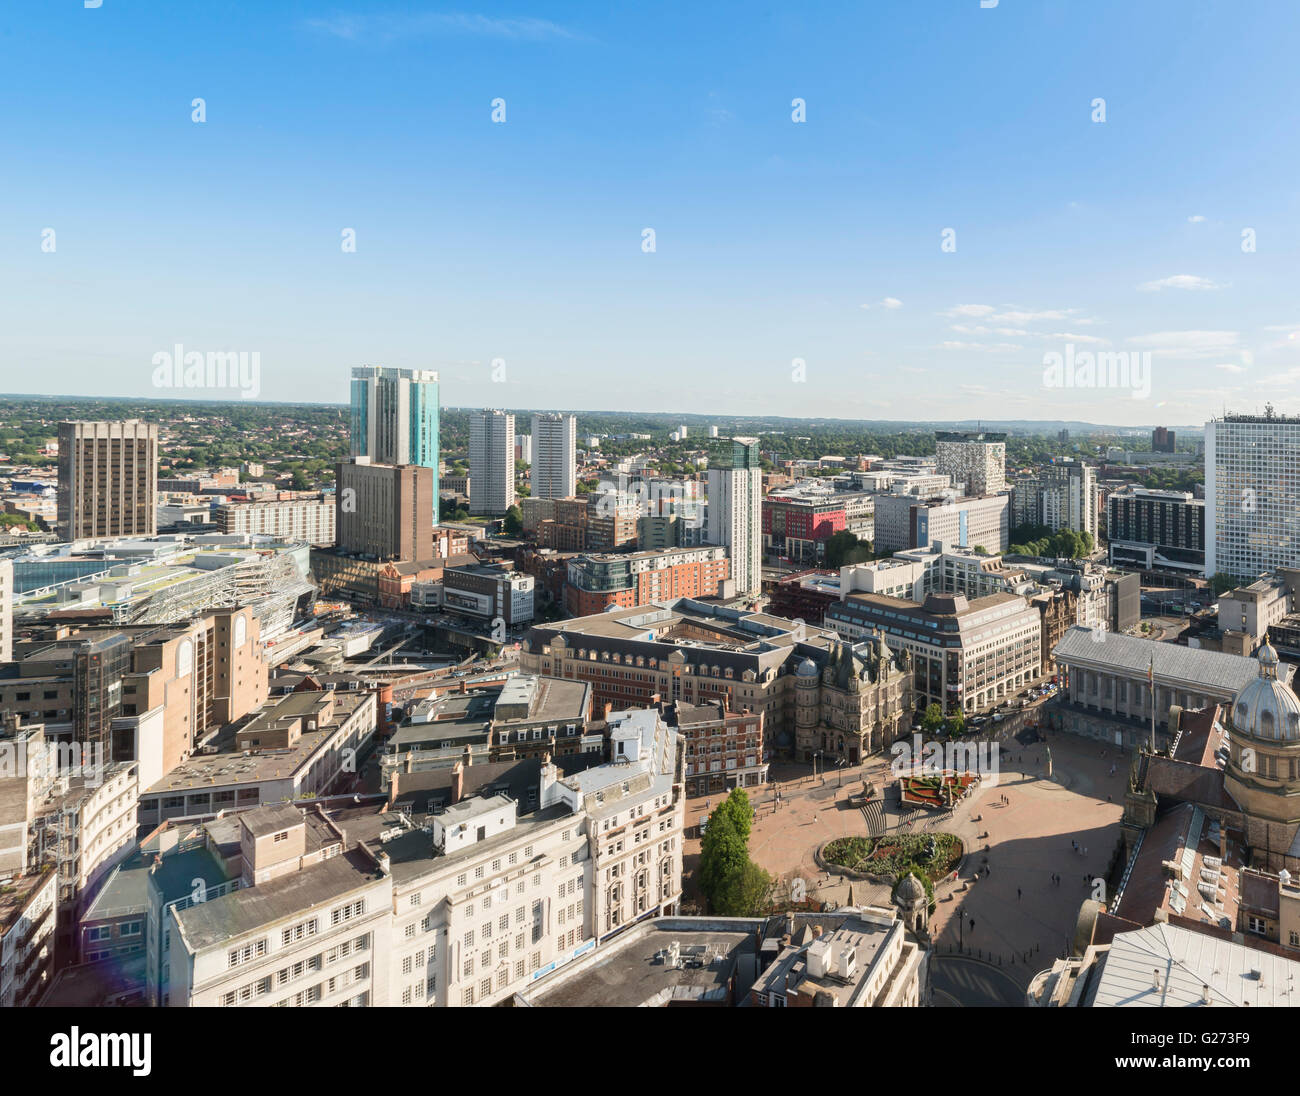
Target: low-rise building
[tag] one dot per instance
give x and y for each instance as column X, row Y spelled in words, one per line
column 724, row 749
column 306, row 519
column 595, row 582
column 300, row 746
column 487, row 592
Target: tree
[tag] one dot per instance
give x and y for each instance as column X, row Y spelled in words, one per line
column 932, row 720
column 738, row 809
column 844, row 548
column 957, row 723
column 732, row 883
column 514, row 523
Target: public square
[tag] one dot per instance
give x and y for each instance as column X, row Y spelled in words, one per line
column 1007, row 891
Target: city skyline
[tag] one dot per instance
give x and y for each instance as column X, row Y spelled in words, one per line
column 799, row 262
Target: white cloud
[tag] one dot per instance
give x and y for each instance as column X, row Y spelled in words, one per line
column 1195, row 219
column 1231, row 367
column 972, row 311
column 891, row 302
column 988, row 348
column 1190, row 344
column 1018, row 317
column 392, row 26
column 1179, row 281
column 1070, row 337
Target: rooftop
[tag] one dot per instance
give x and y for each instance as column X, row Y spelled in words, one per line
column 1184, row 962
column 1131, row 656
column 635, row 970
column 232, row 915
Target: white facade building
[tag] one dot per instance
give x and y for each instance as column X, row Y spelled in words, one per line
column 491, row 461
column 1252, row 494
column 735, row 510
column 554, row 456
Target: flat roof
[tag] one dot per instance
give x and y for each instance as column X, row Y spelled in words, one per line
column 633, row 970
column 231, row 767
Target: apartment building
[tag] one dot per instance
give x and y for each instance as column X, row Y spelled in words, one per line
column 303, row 745
column 554, row 453
column 1061, row 495
column 394, row 417
column 305, row 519
column 492, row 461
column 108, row 479
column 202, row 675
column 734, row 515
column 308, row 923
column 596, row 582
column 565, row 530
column 358, row 906
column 976, row 459
column 1156, row 530
column 634, row 819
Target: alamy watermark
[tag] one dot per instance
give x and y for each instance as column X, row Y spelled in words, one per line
column 52, row 761
column 1116, row 369
column 239, row 370
column 918, row 757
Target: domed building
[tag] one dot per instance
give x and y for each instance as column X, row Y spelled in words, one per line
column 1262, row 772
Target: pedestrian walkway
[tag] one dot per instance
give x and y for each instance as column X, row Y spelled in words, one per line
column 1028, row 841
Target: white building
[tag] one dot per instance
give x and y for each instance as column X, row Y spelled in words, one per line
column 1252, row 494
column 28, row 912
column 359, row 907
column 735, row 510
column 491, row 461
column 554, row 456
column 1060, row 496
column 978, row 460
column 310, row 520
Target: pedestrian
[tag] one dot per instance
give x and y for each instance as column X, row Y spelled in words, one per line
column 1017, row 894
column 1085, row 850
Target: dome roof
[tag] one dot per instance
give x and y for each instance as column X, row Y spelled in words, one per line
column 910, row 890
column 1267, row 708
column 807, row 668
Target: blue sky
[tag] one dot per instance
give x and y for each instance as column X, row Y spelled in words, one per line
column 775, row 241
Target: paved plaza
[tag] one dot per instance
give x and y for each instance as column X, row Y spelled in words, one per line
column 1015, row 906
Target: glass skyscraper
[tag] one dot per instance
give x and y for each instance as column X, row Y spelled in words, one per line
column 395, row 416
